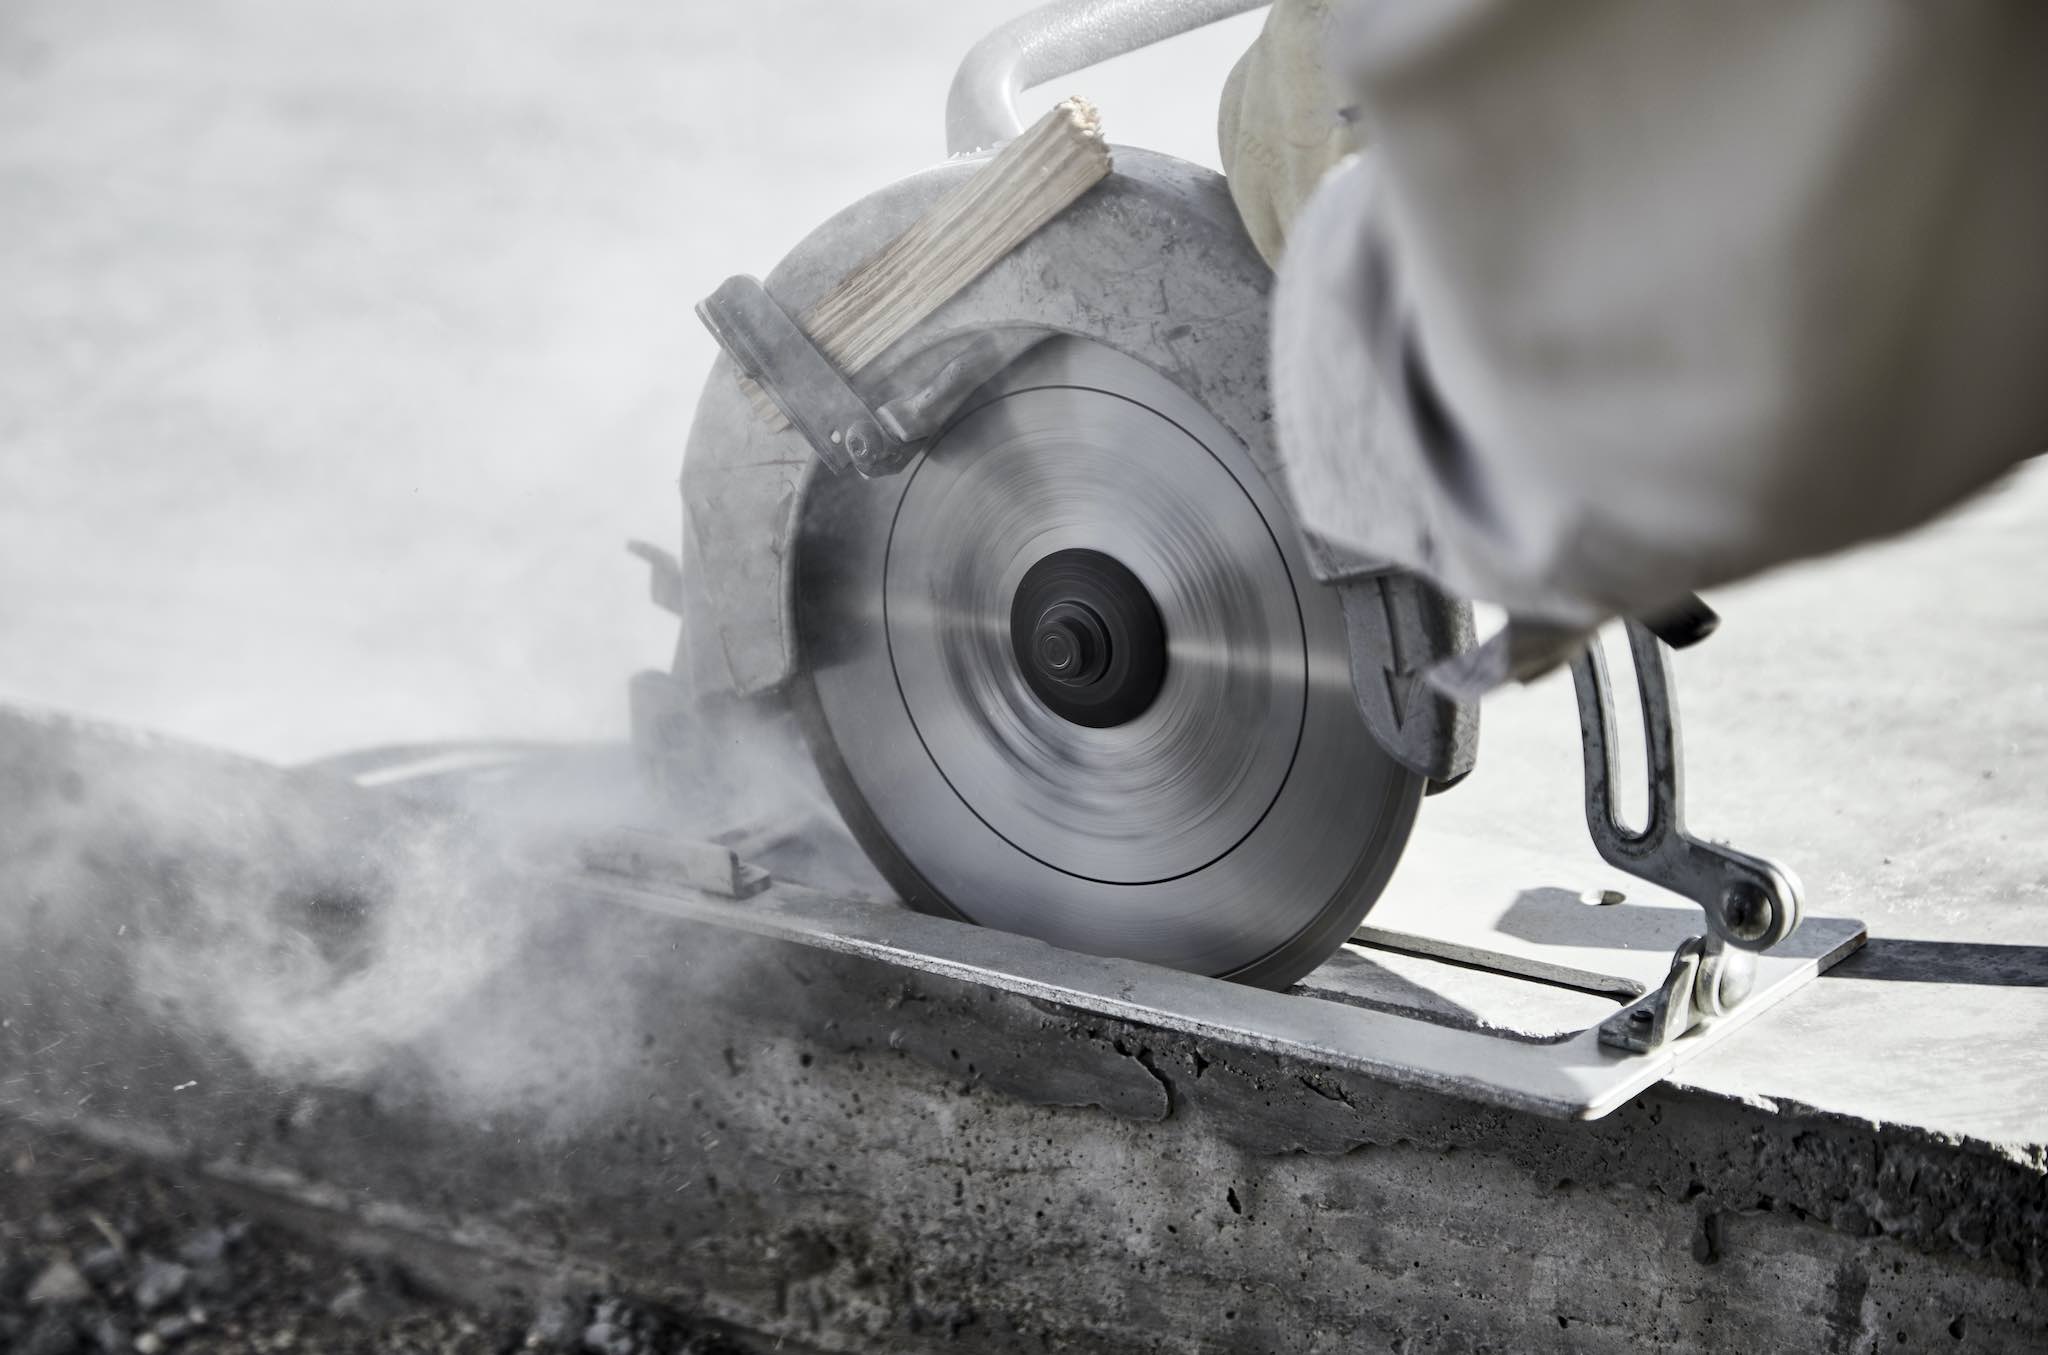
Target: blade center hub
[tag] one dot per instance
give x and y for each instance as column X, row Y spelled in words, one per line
column 1088, row 638
column 1072, row 644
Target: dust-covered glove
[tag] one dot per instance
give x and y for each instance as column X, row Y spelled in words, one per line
column 1626, row 300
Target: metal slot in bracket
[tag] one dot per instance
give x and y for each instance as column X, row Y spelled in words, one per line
column 1750, row 903
column 1578, row 979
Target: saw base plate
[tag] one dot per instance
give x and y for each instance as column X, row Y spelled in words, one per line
column 1343, row 1015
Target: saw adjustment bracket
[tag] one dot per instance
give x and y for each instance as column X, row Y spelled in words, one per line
column 1751, row 904
column 772, row 350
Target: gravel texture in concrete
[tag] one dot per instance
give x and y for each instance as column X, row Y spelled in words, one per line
column 103, row 1253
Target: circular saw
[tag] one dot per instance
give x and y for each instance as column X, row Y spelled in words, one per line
column 983, row 493
column 983, row 512
column 1068, row 675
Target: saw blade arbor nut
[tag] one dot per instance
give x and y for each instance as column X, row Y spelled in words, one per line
column 1088, row 638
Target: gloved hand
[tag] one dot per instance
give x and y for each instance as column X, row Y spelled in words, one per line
column 1628, row 300
column 1282, row 121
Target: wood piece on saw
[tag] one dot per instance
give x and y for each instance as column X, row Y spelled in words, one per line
column 1032, row 179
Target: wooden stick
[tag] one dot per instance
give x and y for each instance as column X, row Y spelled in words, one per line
column 1032, row 179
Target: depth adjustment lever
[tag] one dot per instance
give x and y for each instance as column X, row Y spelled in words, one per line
column 1751, row 904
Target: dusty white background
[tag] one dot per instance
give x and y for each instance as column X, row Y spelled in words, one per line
column 342, row 346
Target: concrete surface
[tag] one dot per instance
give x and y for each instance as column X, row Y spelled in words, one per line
column 862, row 1159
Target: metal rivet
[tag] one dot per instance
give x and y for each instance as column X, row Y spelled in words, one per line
column 1746, row 912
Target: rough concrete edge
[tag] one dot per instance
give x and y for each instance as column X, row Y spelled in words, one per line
column 479, row 1265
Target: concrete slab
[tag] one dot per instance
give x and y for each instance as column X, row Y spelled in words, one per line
column 370, row 1012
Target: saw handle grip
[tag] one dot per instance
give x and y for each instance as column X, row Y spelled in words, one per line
column 1055, row 40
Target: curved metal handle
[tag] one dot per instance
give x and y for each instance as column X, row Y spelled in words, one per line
column 1750, row 903
column 1055, row 40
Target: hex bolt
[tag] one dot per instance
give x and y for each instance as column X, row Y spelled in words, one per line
column 1747, row 912
column 861, row 436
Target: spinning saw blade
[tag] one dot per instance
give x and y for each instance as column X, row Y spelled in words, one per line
column 1068, row 675
column 1053, row 637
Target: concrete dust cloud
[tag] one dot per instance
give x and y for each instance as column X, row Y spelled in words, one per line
column 333, row 937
